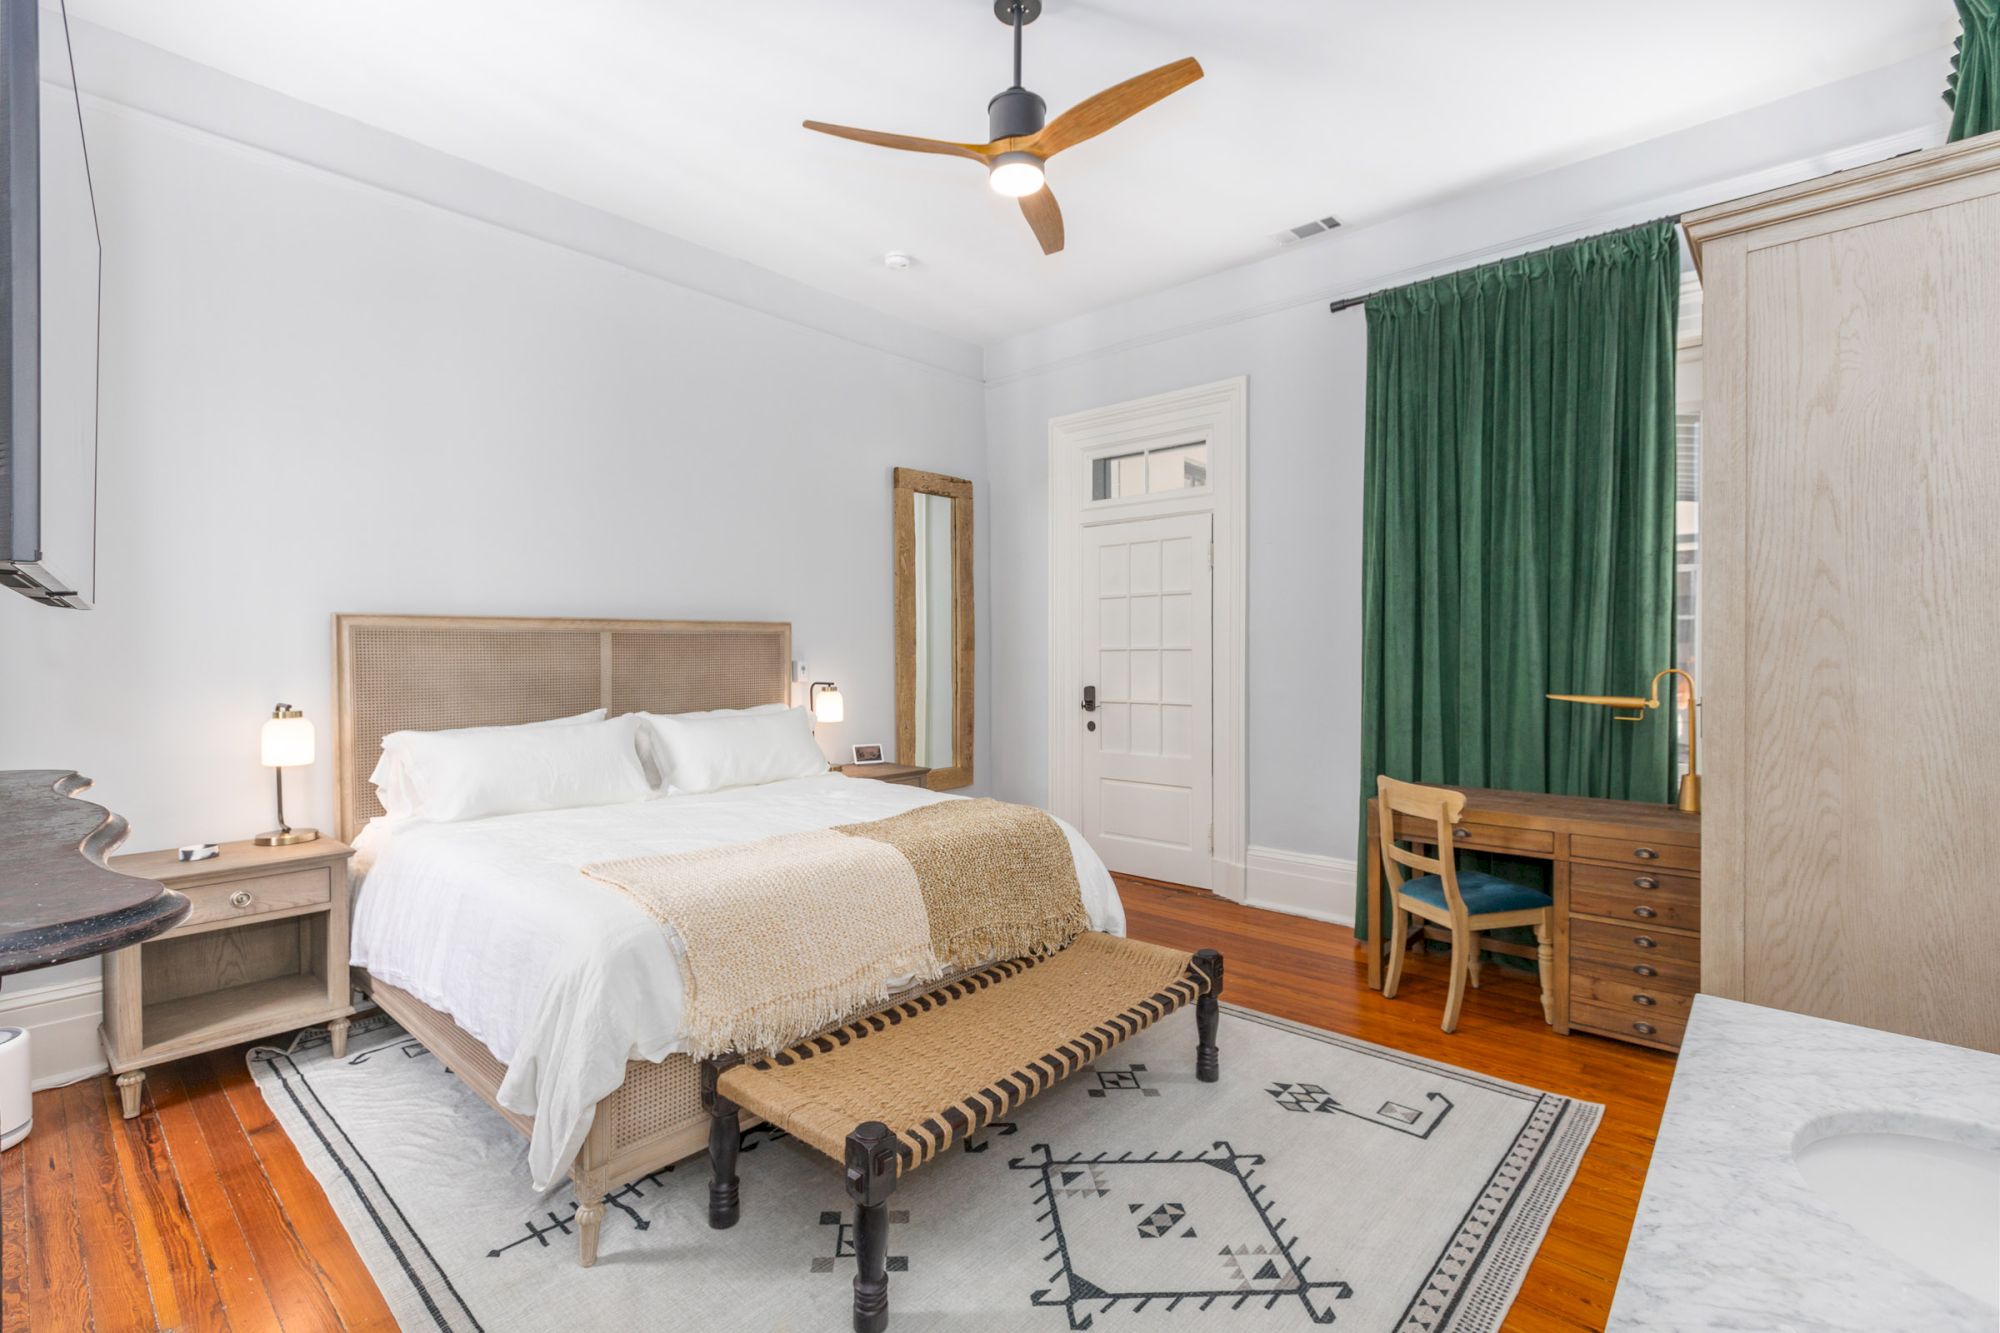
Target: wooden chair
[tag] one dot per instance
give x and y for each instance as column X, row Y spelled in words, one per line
column 1464, row 904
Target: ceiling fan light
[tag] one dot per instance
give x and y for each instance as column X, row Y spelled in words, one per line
column 1017, row 174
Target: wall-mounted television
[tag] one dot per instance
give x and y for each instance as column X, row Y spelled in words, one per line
column 49, row 263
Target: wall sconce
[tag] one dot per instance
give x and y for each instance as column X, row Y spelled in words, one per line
column 287, row 742
column 1690, row 793
column 827, row 707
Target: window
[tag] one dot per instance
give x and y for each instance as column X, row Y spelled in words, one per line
column 1687, row 541
column 1174, row 467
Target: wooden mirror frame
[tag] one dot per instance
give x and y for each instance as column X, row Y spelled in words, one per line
column 910, row 483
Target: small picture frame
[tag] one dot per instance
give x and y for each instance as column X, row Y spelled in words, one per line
column 868, row 754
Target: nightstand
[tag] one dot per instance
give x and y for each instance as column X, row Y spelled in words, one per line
column 263, row 950
column 903, row 775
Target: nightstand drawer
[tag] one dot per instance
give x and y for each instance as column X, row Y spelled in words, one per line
column 255, row 895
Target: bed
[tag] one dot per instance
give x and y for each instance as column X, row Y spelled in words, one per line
column 580, row 1054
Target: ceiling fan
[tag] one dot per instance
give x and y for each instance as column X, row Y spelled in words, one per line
column 1022, row 136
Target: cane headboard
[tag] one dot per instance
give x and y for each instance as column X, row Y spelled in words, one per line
column 432, row 672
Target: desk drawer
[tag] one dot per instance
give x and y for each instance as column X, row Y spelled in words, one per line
column 1622, row 945
column 241, row 899
column 1609, row 987
column 1627, row 1025
column 1480, row 837
column 1640, row 896
column 1633, row 851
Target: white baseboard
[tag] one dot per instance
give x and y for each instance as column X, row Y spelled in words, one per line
column 62, row 1021
column 1301, row 883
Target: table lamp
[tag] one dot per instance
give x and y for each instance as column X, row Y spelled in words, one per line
column 1690, row 796
column 287, row 742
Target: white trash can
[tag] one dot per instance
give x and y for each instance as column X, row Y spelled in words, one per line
column 17, row 1106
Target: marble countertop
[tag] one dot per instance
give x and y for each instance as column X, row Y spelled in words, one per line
column 1729, row 1234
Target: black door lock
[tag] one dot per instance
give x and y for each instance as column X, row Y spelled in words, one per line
column 1090, row 698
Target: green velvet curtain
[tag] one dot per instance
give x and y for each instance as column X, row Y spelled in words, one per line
column 1518, row 521
column 1973, row 91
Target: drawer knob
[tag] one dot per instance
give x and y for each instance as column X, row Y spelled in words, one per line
column 1461, row 833
column 1645, row 969
column 1645, row 941
column 1646, row 912
column 1644, row 1001
column 1645, row 882
column 1644, row 1029
column 1645, row 853
column 240, row 898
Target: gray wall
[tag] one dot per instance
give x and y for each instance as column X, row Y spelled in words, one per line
column 321, row 395
column 1306, row 370
column 1307, row 376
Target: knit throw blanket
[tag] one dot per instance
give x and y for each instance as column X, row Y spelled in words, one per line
column 790, row 934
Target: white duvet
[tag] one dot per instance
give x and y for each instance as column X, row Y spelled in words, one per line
column 565, row 979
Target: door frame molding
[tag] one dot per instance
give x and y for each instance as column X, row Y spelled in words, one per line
column 1218, row 413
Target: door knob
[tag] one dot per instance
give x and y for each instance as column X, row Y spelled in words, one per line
column 1090, row 698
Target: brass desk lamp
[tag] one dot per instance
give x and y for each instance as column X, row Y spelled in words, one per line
column 1690, row 798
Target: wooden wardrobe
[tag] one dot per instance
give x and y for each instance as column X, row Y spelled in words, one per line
column 1850, row 573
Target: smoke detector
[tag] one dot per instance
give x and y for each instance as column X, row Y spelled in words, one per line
column 1305, row 230
column 898, row 260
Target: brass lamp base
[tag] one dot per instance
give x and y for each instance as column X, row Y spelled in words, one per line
column 286, row 837
column 1690, row 800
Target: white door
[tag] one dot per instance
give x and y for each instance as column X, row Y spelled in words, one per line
column 1148, row 713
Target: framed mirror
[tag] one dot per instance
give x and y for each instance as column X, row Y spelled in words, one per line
column 934, row 652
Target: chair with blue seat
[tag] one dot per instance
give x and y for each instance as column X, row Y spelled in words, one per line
column 1465, row 904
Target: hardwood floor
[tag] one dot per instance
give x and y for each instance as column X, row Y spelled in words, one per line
column 199, row 1214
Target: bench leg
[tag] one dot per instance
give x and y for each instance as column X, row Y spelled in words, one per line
column 871, row 1179
column 725, row 1138
column 1207, row 1015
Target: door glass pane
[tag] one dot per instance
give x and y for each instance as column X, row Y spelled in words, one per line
column 1177, row 469
column 1115, row 478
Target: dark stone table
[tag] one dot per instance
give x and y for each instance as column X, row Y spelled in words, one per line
column 58, row 900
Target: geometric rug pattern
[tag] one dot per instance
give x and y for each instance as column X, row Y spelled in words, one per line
column 1323, row 1182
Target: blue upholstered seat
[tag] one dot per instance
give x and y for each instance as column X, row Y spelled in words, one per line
column 1483, row 893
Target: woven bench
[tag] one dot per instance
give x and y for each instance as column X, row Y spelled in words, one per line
column 894, row 1089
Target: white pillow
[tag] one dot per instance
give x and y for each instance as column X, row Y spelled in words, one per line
column 701, row 754
column 649, row 748
column 473, row 774
column 391, row 777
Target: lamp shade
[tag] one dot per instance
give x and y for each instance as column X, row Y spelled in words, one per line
column 287, row 741
column 828, row 706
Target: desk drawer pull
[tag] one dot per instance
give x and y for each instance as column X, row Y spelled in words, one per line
column 1645, row 882
column 1645, row 912
column 1645, row 969
column 1645, row 853
column 240, row 898
column 1644, row 1029
column 1461, row 833
column 1644, row 1001
column 1645, row 941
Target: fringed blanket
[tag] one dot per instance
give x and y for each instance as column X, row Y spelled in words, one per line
column 787, row 935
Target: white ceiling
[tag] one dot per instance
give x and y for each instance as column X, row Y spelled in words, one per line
column 685, row 116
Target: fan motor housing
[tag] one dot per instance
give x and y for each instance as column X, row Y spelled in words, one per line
column 1015, row 113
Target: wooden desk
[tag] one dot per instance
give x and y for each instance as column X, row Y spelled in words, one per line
column 1627, row 884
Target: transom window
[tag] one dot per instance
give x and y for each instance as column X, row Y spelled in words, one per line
column 1173, row 467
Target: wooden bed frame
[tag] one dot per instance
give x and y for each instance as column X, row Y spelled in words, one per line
column 434, row 672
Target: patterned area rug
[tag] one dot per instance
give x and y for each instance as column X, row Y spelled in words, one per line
column 1323, row 1181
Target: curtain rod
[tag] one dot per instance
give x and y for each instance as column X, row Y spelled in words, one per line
column 1349, row 302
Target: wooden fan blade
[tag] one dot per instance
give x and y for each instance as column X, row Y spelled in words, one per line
column 1094, row 115
column 976, row 151
column 1042, row 214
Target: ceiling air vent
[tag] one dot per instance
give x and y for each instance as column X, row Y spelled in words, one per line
column 1305, row 230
